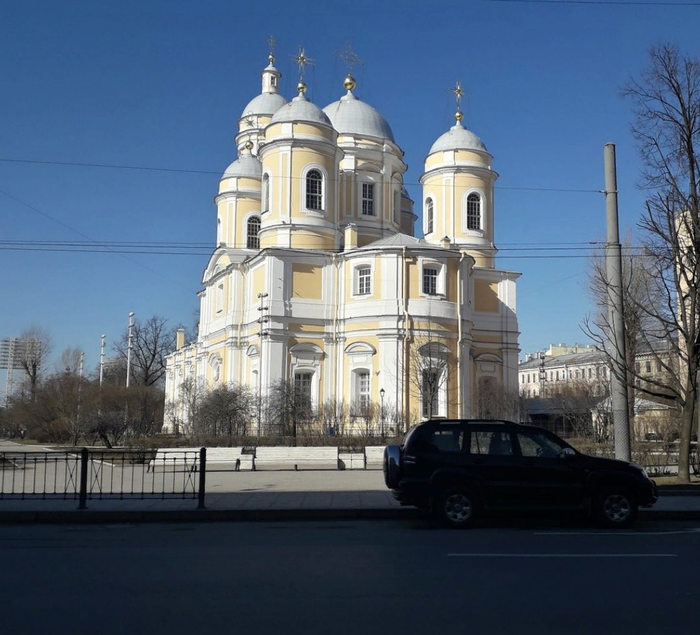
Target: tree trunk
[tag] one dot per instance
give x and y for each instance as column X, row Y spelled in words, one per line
column 687, row 421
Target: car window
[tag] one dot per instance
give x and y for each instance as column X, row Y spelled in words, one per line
column 492, row 442
column 538, row 444
column 446, row 439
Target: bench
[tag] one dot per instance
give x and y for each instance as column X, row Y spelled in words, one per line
column 172, row 459
column 374, row 457
column 296, row 458
column 230, row 457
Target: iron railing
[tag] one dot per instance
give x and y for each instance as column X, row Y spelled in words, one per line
column 87, row 474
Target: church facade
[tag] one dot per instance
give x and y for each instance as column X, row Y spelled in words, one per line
column 317, row 278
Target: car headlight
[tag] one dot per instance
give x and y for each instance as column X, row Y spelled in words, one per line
column 641, row 469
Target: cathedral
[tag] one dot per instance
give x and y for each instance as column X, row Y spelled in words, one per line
column 318, row 279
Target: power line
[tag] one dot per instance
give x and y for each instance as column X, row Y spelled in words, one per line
column 92, row 240
column 632, row 3
column 110, row 166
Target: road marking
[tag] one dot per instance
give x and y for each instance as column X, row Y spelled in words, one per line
column 615, row 533
column 562, row 555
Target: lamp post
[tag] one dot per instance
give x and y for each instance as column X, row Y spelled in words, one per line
column 382, row 392
column 128, row 347
column 543, row 376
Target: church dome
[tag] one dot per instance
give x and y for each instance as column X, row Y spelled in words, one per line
column 265, row 104
column 350, row 115
column 300, row 109
column 246, row 166
column 458, row 138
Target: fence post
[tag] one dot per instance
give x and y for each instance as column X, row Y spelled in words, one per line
column 202, row 477
column 82, row 501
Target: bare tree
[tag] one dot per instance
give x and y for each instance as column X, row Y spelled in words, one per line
column 667, row 128
column 35, row 350
column 225, row 411
column 493, row 402
column 289, row 410
column 430, row 365
column 152, row 341
column 367, row 414
column 574, row 402
column 333, row 415
column 70, row 361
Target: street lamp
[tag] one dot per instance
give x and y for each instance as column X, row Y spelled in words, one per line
column 382, row 392
column 261, row 321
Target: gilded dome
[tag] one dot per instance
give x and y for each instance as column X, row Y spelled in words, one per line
column 246, row 166
column 458, row 138
column 300, row 109
column 350, row 115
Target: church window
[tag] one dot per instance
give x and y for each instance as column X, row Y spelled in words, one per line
column 430, row 220
column 430, row 277
column 473, row 211
column 430, row 391
column 397, row 206
column 220, row 298
column 368, row 199
column 302, row 386
column 364, row 281
column 253, row 233
column 266, row 193
column 362, row 389
column 314, row 190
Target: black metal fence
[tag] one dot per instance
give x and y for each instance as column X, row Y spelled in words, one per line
column 86, row 474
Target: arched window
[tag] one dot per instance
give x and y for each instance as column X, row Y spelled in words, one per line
column 266, row 193
column 253, row 229
column 430, row 221
column 314, row 190
column 473, row 211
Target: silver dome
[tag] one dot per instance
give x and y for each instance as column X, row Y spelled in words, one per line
column 264, row 104
column 300, row 109
column 458, row 138
column 246, row 166
column 350, row 115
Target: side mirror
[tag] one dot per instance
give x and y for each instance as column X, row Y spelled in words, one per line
column 567, row 453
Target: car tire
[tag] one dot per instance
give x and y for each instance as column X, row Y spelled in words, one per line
column 456, row 508
column 615, row 507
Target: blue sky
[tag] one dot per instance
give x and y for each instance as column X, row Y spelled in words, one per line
column 162, row 84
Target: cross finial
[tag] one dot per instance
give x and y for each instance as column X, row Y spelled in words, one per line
column 458, row 92
column 302, row 60
column 271, row 42
column 350, row 58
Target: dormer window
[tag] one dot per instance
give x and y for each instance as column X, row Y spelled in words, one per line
column 252, row 233
column 314, row 190
column 474, row 211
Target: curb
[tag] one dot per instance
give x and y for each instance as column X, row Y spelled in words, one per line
column 254, row 515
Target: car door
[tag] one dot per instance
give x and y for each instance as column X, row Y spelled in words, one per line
column 494, row 463
column 548, row 477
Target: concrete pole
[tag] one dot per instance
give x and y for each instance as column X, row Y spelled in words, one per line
column 103, row 339
column 613, row 263
column 128, row 348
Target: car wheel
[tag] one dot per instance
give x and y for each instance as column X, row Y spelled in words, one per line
column 615, row 507
column 457, row 508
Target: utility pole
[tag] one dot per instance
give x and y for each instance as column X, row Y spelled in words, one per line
column 261, row 320
column 613, row 263
column 128, row 347
column 103, row 340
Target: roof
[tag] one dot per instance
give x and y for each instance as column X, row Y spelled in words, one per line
column 458, row 138
column 264, row 104
column 572, row 359
column 246, row 166
column 401, row 240
column 301, row 109
column 350, row 115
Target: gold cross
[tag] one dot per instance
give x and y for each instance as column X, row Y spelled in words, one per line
column 302, row 60
column 272, row 42
column 458, row 93
column 350, row 58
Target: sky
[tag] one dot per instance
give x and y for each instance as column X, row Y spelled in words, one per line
column 152, row 84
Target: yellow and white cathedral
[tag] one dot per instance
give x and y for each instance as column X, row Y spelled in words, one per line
column 317, row 277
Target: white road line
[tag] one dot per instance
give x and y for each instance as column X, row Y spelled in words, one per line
column 562, row 555
column 614, row 533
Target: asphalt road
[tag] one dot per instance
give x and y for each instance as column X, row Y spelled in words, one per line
column 354, row 577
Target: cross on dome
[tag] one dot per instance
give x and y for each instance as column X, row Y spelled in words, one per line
column 458, row 93
column 271, row 42
column 302, row 60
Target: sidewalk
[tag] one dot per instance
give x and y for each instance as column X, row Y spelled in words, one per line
column 272, row 495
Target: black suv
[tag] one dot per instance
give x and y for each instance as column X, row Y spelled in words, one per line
column 458, row 468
